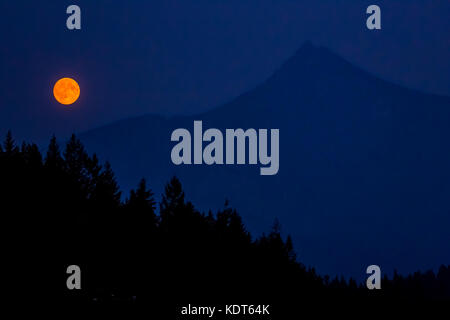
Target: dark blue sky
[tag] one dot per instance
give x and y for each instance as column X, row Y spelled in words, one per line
column 186, row 56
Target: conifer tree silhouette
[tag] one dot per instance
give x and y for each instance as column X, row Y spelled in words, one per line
column 142, row 205
column 105, row 188
column 142, row 199
column 53, row 158
column 75, row 161
column 10, row 148
column 172, row 203
column 32, row 157
column 68, row 209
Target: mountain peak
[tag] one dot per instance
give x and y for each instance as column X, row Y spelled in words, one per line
column 315, row 62
column 355, row 150
column 310, row 50
column 310, row 54
column 306, row 47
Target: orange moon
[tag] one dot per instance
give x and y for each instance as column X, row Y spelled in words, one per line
column 66, row 91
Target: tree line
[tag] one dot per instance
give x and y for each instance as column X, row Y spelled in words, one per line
column 64, row 207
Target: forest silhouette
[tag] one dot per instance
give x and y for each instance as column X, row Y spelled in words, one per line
column 64, row 207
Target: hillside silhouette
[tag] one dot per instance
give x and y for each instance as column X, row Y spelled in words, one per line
column 364, row 175
column 64, row 207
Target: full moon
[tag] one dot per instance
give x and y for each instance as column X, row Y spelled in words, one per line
column 66, row 91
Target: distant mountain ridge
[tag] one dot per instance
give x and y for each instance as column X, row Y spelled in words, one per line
column 364, row 164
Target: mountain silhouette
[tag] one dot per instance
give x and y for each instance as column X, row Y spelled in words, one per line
column 364, row 164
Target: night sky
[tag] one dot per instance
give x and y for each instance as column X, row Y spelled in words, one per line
column 184, row 57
